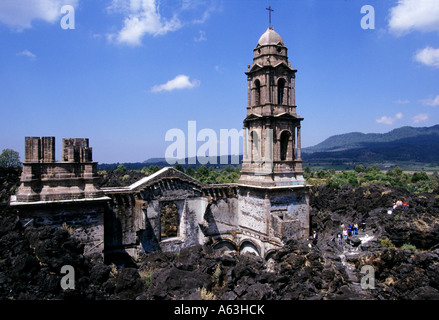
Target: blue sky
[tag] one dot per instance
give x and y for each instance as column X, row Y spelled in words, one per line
column 131, row 70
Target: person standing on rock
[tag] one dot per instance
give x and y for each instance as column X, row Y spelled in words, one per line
column 356, row 229
column 339, row 239
column 363, row 224
column 315, row 237
column 345, row 234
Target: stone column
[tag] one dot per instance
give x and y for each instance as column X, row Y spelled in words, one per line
column 249, row 93
column 293, row 136
column 299, row 147
column 293, row 91
column 244, row 144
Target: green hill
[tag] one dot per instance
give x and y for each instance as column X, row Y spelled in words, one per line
column 402, row 144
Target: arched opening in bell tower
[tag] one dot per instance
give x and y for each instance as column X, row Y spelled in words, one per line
column 254, row 146
column 284, row 142
column 257, row 92
column 280, row 90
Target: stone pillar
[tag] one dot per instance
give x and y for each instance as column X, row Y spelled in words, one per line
column 293, row 91
column 293, row 136
column 39, row 149
column 299, row 147
column 48, row 149
column 244, row 144
column 249, row 93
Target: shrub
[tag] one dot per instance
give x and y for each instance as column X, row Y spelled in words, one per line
column 408, row 246
column 206, row 295
column 146, row 275
column 335, row 182
column 386, row 243
column 125, row 177
column 70, row 229
column 217, row 274
column 121, row 168
column 420, row 176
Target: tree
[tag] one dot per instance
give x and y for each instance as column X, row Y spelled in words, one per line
column 121, row 168
column 190, row 171
column 420, row 176
column 202, row 171
column 153, row 169
column 10, row 159
column 179, row 167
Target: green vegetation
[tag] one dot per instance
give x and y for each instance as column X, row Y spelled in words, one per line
column 417, row 182
column 10, row 159
column 213, row 175
column 150, row 170
column 387, row 243
column 121, row 168
column 146, row 275
column 408, row 246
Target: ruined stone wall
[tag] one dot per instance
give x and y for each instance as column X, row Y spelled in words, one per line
column 83, row 219
column 62, row 194
column 44, row 179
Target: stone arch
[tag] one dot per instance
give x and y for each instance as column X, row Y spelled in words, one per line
column 269, row 254
column 285, row 145
column 225, row 245
column 249, row 246
column 281, row 91
column 257, row 88
column 255, row 145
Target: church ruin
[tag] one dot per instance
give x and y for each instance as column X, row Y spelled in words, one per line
column 169, row 210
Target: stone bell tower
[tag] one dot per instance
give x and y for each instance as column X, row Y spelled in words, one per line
column 273, row 198
column 272, row 137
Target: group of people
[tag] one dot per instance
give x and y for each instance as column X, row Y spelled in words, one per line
column 399, row 203
column 349, row 231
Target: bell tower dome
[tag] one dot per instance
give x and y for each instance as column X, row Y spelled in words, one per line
column 272, row 137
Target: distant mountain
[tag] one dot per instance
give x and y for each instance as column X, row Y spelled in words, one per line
column 402, row 144
column 195, row 161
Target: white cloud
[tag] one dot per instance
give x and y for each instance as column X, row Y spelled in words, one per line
column 428, row 56
column 422, row 117
column 201, row 36
column 147, row 17
column 399, row 101
column 389, row 120
column 27, row 53
column 141, row 17
column 411, row 15
column 432, row 102
column 179, row 82
column 19, row 15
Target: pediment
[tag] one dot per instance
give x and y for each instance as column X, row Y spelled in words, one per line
column 167, row 175
column 255, row 67
column 286, row 115
column 253, row 116
column 282, row 64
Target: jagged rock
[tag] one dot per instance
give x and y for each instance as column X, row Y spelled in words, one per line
column 31, row 257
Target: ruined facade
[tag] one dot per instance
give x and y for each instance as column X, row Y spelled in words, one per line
column 170, row 210
column 62, row 193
